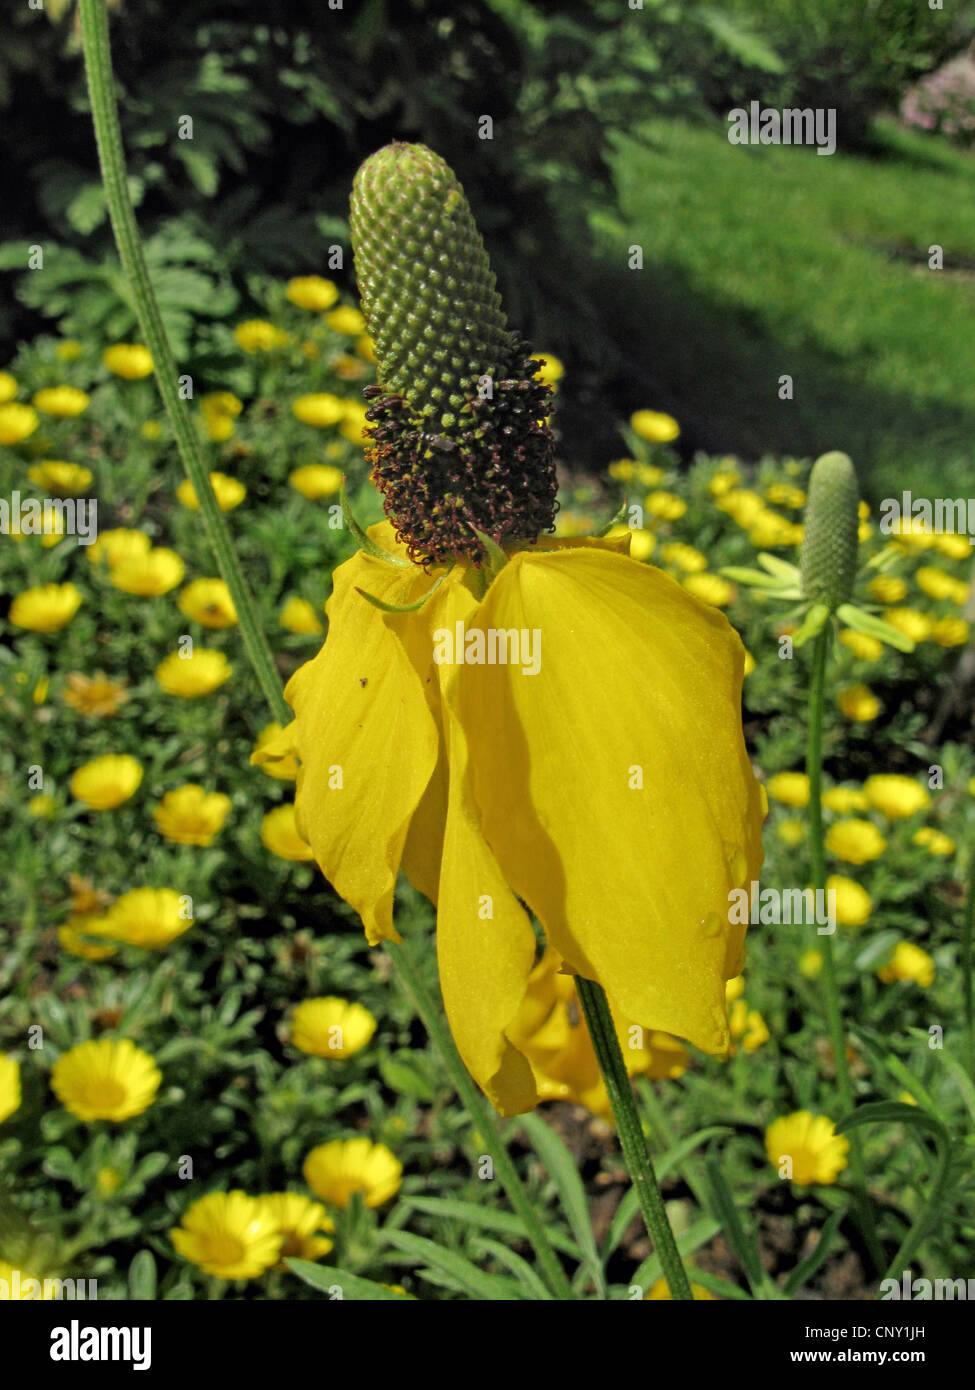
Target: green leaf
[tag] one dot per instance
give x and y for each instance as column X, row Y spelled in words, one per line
column 668, row 1163
column 699, row 1233
column 555, row 1154
column 489, row 1288
column 963, row 1082
column 352, row 1287
column 864, row 622
column 414, row 607
column 404, row 1074
column 142, row 1277
column 806, row 1268
column 743, row 1245
column 813, row 624
column 894, row 1112
column 520, row 1268
column 506, row 1223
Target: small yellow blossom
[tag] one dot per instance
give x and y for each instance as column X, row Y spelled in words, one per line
column 229, row 1235
column 791, row 788
column 194, row 674
column 280, row 835
column 9, row 1087
column 917, row 626
column 337, row 1170
column 710, row 588
column 895, row 796
column 148, row 917
column 299, row 1221
column 298, row 615
column 105, row 1080
column 811, row 963
column 64, row 402
column 806, row 1148
column 312, row 292
column 315, row 480
column 950, row 632
column 59, row 477
column 862, row 645
column 853, row 902
column 684, row 557
column 96, row 695
column 229, row 492
column 331, row 1027
column 283, row 769
column 129, row 360
column 320, row 409
column 48, row 608
column 858, row 702
column 935, row 841
column 843, row 800
column 118, row 544
column 551, row 369
column 189, row 815
column 8, row 387
column 908, row 963
column 208, row 602
column 17, row 422
column 855, row 841
column 642, row 545
column 148, row 575
column 654, row 426
column 346, row 320
column 887, row 588
column 257, row 335
column 665, row 505
column 791, row 832
column 106, row 782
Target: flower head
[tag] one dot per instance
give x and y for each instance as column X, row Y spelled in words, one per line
column 314, row 480
column 61, row 478
column 129, row 360
column 257, row 335
column 271, row 758
column 654, row 426
column 148, row 917
column 346, row 319
column 858, row 702
column 935, row 841
column 96, row 695
column 333, row 1028
column 17, row 422
column 855, row 841
column 107, row 782
column 298, row 615
column 62, row 401
column 208, row 602
column 106, row 1080
column 791, row 788
column 312, row 292
column 320, row 409
column 9, row 1087
column 194, row 674
column 337, row 1170
column 806, row 1148
column 119, row 544
column 229, row 1235
column 853, row 902
column 155, row 572
column 299, row 1221
column 909, row 962
column 229, row 492
column 189, row 815
column 894, row 796
column 48, row 608
column 279, row 834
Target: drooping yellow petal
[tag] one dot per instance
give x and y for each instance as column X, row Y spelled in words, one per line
column 366, row 740
column 613, row 786
column 485, row 943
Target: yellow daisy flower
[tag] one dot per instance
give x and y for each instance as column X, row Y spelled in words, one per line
column 148, row 575
column 843, row 800
column 791, row 788
column 853, row 902
column 665, row 505
column 229, row 492
column 346, row 320
column 64, row 402
column 331, row 1027
column 654, row 426
column 105, row 1080
column 61, row 478
column 312, row 292
column 193, row 675
column 129, row 360
column 345, row 1166
column 9, row 1087
column 298, row 615
column 279, row 834
column 148, row 917
column 917, row 626
column 858, row 702
column 895, row 796
column 85, row 937
column 659, row 1291
column 106, row 782
column 257, row 335
column 208, row 602
column 319, row 409
column 17, row 422
column 189, row 815
column 806, row 1148
column 862, row 645
column 935, row 841
column 314, row 480
column 96, row 696
column 283, row 768
column 684, row 557
column 229, row 1235
column 8, row 387
column 908, row 963
column 48, row 608
column 950, row 632
column 855, row 841
column 117, row 545
column 299, row 1221
column 887, row 588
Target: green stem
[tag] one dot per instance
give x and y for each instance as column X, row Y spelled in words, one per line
column 968, row 964
column 98, row 61
column 603, row 1033
column 479, row 1111
column 922, row 1225
column 831, row 991
column 104, row 111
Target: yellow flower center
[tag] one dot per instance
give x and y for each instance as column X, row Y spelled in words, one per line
column 225, row 1249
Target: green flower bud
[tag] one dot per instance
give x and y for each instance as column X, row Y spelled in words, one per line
column 829, row 547
column 459, row 440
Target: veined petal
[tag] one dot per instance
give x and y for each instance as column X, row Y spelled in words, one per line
column 613, row 786
column 366, row 740
column 485, row 943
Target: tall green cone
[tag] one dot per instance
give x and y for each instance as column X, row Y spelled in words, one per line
column 459, row 439
column 829, row 546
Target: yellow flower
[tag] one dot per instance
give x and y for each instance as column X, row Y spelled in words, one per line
column 148, row 575
column 228, row 492
column 229, row 1235
column 791, row 832
column 749, row 662
column 862, row 645
column 346, row 320
column 333, row 1028
column 312, row 292
column 954, row 546
column 106, row 782
column 887, row 588
column 660, row 1292
column 84, row 936
column 279, row 834
column 770, row 530
column 482, row 788
column 299, row 1221
column 710, row 588
column 895, row 796
column 909, row 963
column 366, row 348
column 858, row 702
column 96, row 696
column 47, row 608
column 42, row 806
column 734, row 988
column 283, row 767
column 917, row 626
column 220, row 409
column 938, row 584
column 723, row 482
column 806, row 1148
column 642, row 545
column 791, row 788
column 843, row 800
column 316, row 480
column 148, row 917
column 950, row 632
column 117, row 545
column 684, row 557
column 17, row 422
column 855, row 841
column 298, row 615
column 785, row 495
column 257, row 335
column 355, row 422
column 208, row 602
column 129, row 360
column 853, row 902
column 85, row 897
column 551, row 369
column 320, row 409
column 105, row 1080
column 748, row 1027
column 935, row 841
column 654, row 426
column 198, row 673
column 61, row 478
column 623, row 470
column 8, row 387
column 64, row 402
column 743, row 505
column 189, row 815
column 811, row 963
column 666, row 505
column 9, row 1087
column 345, row 1166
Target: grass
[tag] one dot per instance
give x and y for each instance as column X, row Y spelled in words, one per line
column 764, row 261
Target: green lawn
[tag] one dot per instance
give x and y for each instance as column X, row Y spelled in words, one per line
column 761, row 261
